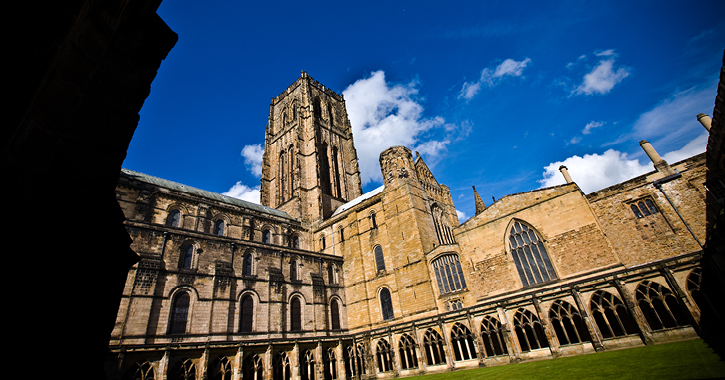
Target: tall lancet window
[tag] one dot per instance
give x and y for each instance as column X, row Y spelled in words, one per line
column 443, row 230
column 529, row 254
column 336, row 173
column 282, row 177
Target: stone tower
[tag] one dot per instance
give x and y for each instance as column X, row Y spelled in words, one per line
column 310, row 165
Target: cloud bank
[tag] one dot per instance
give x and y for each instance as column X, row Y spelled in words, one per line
column 383, row 115
column 492, row 77
column 244, row 192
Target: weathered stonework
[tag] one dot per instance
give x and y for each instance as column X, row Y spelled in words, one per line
column 325, row 281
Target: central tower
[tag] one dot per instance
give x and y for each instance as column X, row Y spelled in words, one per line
column 310, row 165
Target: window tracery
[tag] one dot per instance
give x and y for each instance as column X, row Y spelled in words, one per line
column 462, row 341
column 384, row 355
column 568, row 323
column 611, row 316
column 643, row 208
column 281, row 367
column 406, row 348
column 183, row 369
column 492, row 335
column 529, row 255
column 253, row 367
column 433, row 346
column 443, row 229
column 529, row 331
column 659, row 306
column 221, row 369
column 449, row 274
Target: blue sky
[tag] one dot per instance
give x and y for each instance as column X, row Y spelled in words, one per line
column 492, row 94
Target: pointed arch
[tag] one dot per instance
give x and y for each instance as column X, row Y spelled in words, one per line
column 281, row 367
column 406, row 349
column 433, row 346
column 442, row 227
column 462, row 341
column 449, row 273
column 253, row 367
column 659, row 306
column 307, row 365
column 330, row 363
column 492, row 336
column 221, row 369
column 568, row 323
column 529, row 331
column 384, row 356
column 611, row 316
column 182, row 369
column 529, row 254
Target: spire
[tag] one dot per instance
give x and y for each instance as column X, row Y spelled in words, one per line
column 480, row 206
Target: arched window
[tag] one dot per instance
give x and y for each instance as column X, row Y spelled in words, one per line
column 529, row 331
column 324, row 166
column 293, row 270
column 433, row 346
column 187, row 257
column 282, row 177
column 295, row 242
column 355, row 360
column 568, row 323
column 386, row 304
column 281, row 367
column 323, row 243
column 529, row 254
column 406, row 349
column 140, row 371
column 334, row 314
column 449, row 274
column 659, row 306
column 373, row 220
column 384, row 355
column 174, row 218
column 379, row 258
column 266, row 236
column 330, row 364
column 492, row 335
column 462, row 341
column 307, row 365
column 221, row 369
column 246, row 318
column 179, row 313
column 183, row 369
column 703, row 302
column 443, row 230
column 248, row 262
column 335, row 166
column 219, row 227
column 611, row 315
column 295, row 314
column 253, row 368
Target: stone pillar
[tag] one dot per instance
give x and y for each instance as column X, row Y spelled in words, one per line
column 635, row 312
column 294, row 362
column 479, row 340
column 705, row 120
column 268, row 367
column 238, row 362
column 548, row 329
column 319, row 361
column 565, row 172
column 512, row 345
column 450, row 356
column 588, row 320
column 164, row 364
column 661, row 165
column 682, row 298
column 340, row 360
column 203, row 364
column 419, row 351
column 397, row 363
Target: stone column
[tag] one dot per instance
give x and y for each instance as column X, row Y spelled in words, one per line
column 268, row 367
column 203, row 364
column 397, row 363
column 294, row 362
column 588, row 320
column 548, row 329
column 238, row 362
column 635, row 312
column 479, row 341
column 164, row 364
column 340, row 361
column 419, row 351
column 512, row 345
column 450, row 356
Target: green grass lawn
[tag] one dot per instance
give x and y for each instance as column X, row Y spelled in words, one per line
column 682, row 360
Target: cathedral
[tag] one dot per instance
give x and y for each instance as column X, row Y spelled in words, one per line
column 323, row 281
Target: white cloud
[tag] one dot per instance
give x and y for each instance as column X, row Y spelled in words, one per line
column 674, row 118
column 606, row 53
column 594, row 172
column 461, row 216
column 383, row 115
column 575, row 140
column 694, row 147
column 591, row 125
column 492, row 77
column 244, row 192
column 602, row 78
column 253, row 158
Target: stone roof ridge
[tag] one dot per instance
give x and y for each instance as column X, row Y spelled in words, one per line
column 358, row 200
column 171, row 185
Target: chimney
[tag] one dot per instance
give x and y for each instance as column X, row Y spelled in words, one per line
column 565, row 173
column 704, row 120
column 480, row 206
column 661, row 165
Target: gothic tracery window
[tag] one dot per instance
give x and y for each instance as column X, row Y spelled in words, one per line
column 433, row 346
column 449, row 274
column 611, row 316
column 406, row 348
column 462, row 341
column 253, row 367
column 221, row 369
column 307, row 365
column 183, row 369
column 492, row 336
column 443, row 229
column 330, row 364
column 281, row 367
column 384, row 355
column 659, row 306
column 140, row 371
column 529, row 331
column 529, row 255
column 568, row 323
